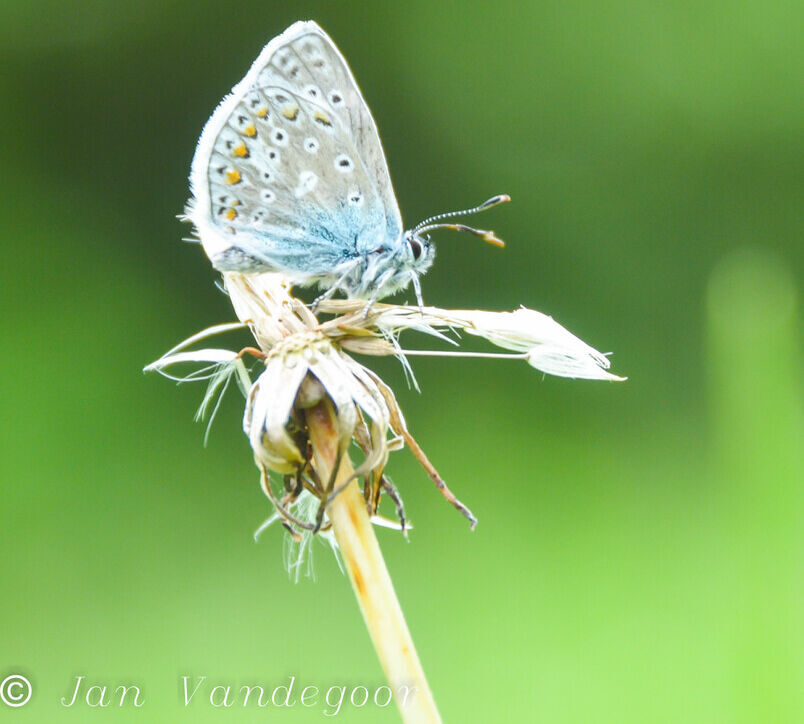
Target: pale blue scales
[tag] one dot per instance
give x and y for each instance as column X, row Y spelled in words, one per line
column 289, row 175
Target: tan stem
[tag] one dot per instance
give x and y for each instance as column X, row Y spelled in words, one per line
column 369, row 575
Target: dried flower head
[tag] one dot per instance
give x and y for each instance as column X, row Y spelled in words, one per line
column 306, row 359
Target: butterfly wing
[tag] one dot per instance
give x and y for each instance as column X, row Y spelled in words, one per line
column 289, row 173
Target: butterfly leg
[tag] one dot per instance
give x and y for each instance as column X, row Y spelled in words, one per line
column 323, row 297
column 378, row 288
column 335, row 287
column 417, row 287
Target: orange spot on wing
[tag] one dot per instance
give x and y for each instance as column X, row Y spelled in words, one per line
column 263, row 112
column 233, row 176
column 240, row 150
column 321, row 118
column 291, row 112
column 250, row 131
column 231, row 214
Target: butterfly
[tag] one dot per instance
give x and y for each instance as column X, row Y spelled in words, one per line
column 289, row 175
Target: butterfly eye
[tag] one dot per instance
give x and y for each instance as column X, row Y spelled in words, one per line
column 416, row 248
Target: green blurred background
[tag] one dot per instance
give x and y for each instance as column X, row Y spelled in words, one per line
column 640, row 547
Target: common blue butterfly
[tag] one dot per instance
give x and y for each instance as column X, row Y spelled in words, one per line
column 289, row 175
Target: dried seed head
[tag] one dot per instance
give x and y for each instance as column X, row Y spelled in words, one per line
column 305, row 362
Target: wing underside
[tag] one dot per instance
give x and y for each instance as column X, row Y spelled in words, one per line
column 289, row 173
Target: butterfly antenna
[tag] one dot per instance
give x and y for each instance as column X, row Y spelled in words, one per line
column 489, row 236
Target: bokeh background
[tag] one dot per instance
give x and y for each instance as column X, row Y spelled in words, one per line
column 640, row 547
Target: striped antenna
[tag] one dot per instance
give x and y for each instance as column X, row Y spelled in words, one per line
column 489, row 236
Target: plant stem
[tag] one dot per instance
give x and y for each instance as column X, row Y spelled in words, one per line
column 368, row 573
